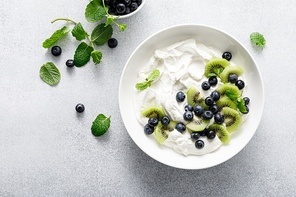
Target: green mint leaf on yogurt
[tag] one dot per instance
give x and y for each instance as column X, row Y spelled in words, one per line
column 148, row 81
column 82, row 54
column 142, row 85
column 100, row 125
column 241, row 105
column 257, row 39
column 78, row 32
column 50, row 74
column 231, row 95
column 95, row 11
column 96, row 56
column 56, row 36
column 101, row 34
column 153, row 75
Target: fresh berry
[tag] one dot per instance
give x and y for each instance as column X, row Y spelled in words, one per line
column 70, row 63
column 219, row 119
column 232, row 78
column 180, row 96
column 199, row 144
column 120, row 8
column 213, row 80
column 247, row 100
column 165, row 120
column 180, row 127
column 204, row 132
column 79, row 108
column 214, row 108
column 227, row 55
column 240, row 84
column 211, row 134
column 56, row 51
column 198, row 110
column 215, row 95
column 134, row 6
column 127, row 2
column 205, row 85
column 148, row 129
column 207, row 115
column 188, row 108
column 153, row 121
column 188, row 115
column 112, row 42
column 195, row 135
column 209, row 101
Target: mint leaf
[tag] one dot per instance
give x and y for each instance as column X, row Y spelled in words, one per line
column 142, row 85
column 96, row 56
column 147, row 83
column 257, row 39
column 241, row 105
column 78, row 32
column 153, row 75
column 101, row 34
column 56, row 36
column 95, row 11
column 50, row 74
column 82, row 54
column 231, row 95
column 100, row 125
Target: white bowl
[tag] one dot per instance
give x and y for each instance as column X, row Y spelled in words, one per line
column 211, row 37
column 134, row 12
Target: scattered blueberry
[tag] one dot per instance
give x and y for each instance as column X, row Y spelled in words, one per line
column 188, row 108
column 215, row 95
column 79, row 108
column 165, row 120
column 180, row 96
column 209, row 101
column 205, row 85
column 247, row 100
column 112, row 42
column 219, row 119
column 198, row 110
column 56, row 51
column 211, row 134
column 213, row 80
column 214, row 108
column 240, row 84
column 232, row 78
column 227, row 55
column 70, row 63
column 148, row 129
column 153, row 121
column 207, row 115
column 195, row 135
column 180, row 127
column 188, row 115
column 199, row 144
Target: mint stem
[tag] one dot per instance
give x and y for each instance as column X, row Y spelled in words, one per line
column 64, row 19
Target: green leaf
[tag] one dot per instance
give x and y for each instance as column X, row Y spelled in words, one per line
column 50, row 74
column 56, row 36
column 82, row 54
column 257, row 39
column 153, row 75
column 78, row 32
column 231, row 95
column 95, row 11
column 142, row 85
column 110, row 19
column 96, row 56
column 241, row 105
column 100, row 125
column 122, row 27
column 149, row 80
column 101, row 34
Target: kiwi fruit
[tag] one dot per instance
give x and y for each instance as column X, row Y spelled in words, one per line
column 232, row 89
column 226, row 102
column 161, row 132
column 230, row 70
column 232, row 119
column 197, row 124
column 215, row 67
column 194, row 97
column 153, row 112
column 221, row 132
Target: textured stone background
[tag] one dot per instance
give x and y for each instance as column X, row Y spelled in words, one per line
column 46, row 149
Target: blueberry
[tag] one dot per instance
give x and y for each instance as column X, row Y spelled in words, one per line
column 188, row 115
column 247, row 100
column 205, row 85
column 219, row 119
column 134, row 6
column 165, row 120
column 56, row 51
column 180, row 96
column 207, row 115
column 153, row 121
column 209, row 101
column 112, row 43
column 139, row 2
column 199, row 144
column 227, row 55
column 128, row 10
column 215, row 95
column 211, row 134
column 79, row 108
column 198, row 110
column 188, row 108
column 120, row 8
column 240, row 84
column 195, row 135
column 213, row 80
column 127, row 2
column 214, row 108
column 180, row 127
column 232, row 78
column 70, row 63
column 247, row 110
column 148, row 129
column 204, row 132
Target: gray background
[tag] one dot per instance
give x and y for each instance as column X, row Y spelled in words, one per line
column 46, row 149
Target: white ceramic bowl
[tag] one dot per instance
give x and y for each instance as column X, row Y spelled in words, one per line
column 134, row 12
column 211, row 37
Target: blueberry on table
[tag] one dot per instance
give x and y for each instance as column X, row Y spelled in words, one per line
column 148, row 129
column 213, row 80
column 165, row 120
column 180, row 96
column 79, row 108
column 240, row 84
column 205, row 85
column 199, row 144
column 180, row 127
column 227, row 55
column 112, row 43
column 56, row 50
column 70, row 63
column 153, row 121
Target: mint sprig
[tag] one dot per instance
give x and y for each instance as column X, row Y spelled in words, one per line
column 240, row 103
column 56, row 36
column 100, row 125
column 149, row 80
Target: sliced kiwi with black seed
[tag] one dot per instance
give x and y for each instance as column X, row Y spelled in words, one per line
column 153, row 112
column 226, row 102
column 195, row 98
column 197, row 124
column 231, row 89
column 232, row 119
column 230, row 70
column 161, row 132
column 215, row 67
column 221, row 132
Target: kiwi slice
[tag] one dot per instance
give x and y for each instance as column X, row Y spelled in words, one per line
column 232, row 89
column 153, row 112
column 225, row 102
column 215, row 67
column 221, row 132
column 194, row 97
column 230, row 70
column 232, row 120
column 161, row 132
column 197, row 124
